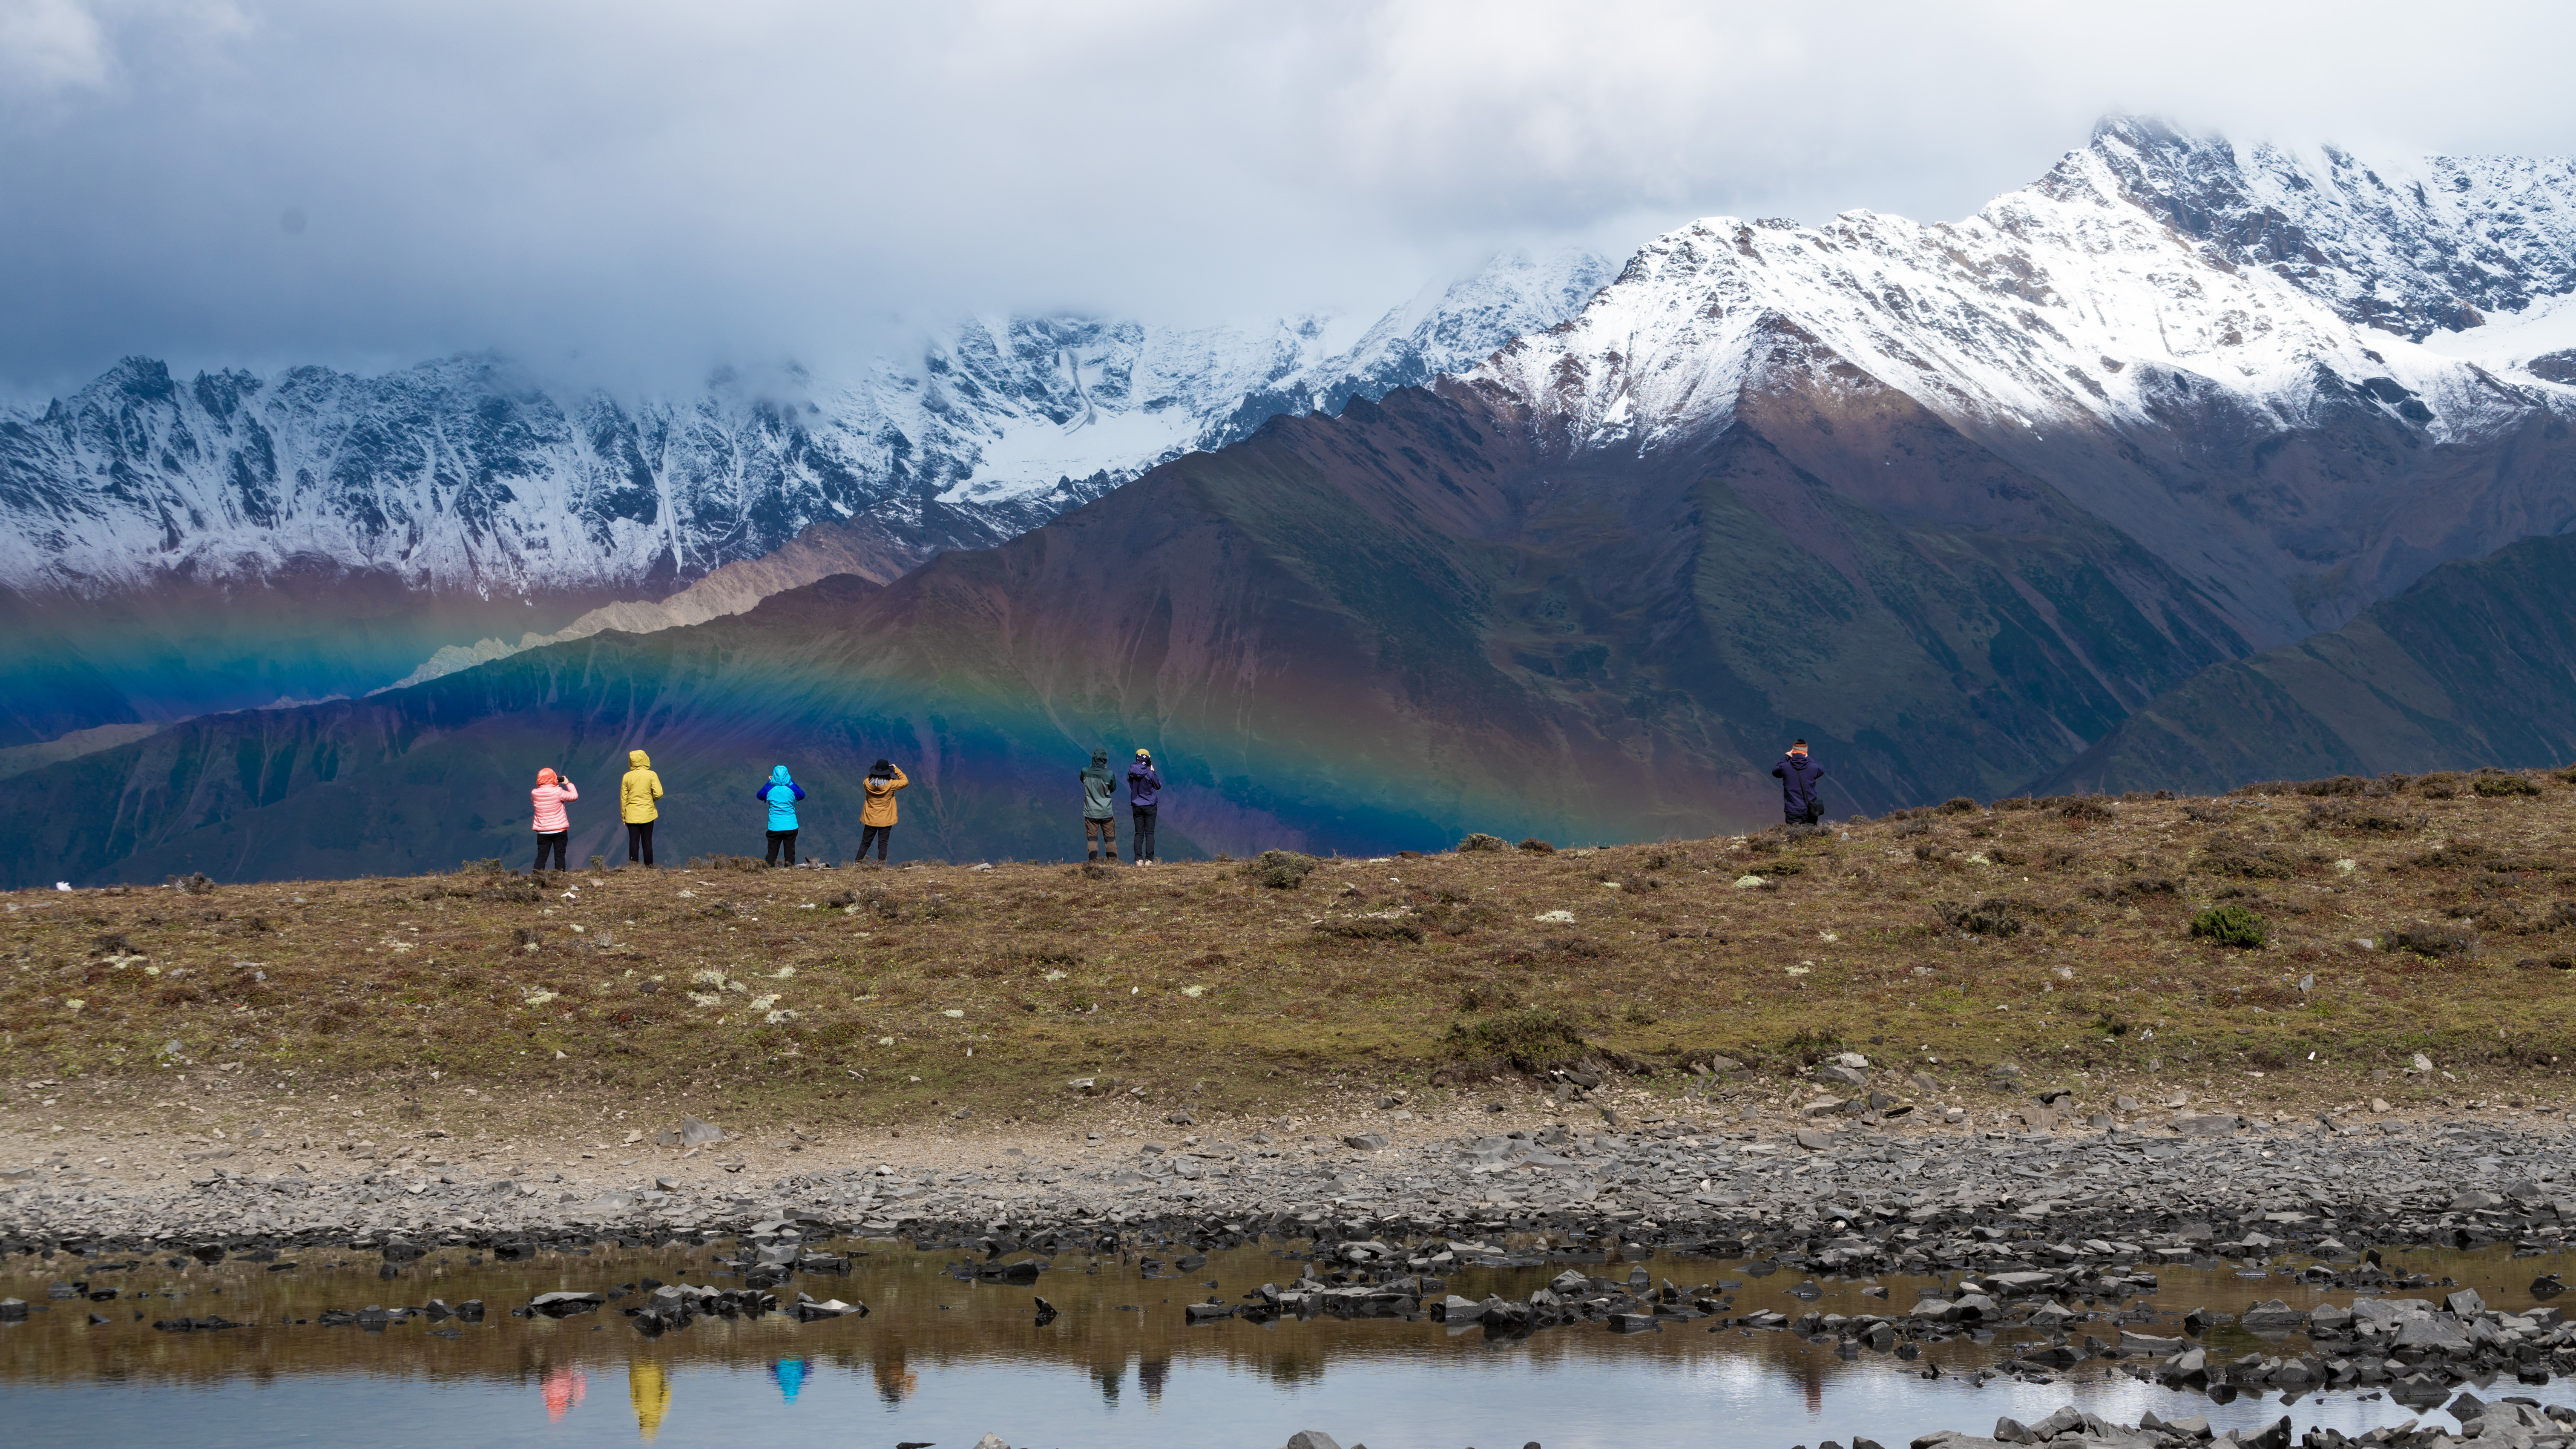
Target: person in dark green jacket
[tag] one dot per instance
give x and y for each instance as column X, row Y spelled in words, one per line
column 1099, row 812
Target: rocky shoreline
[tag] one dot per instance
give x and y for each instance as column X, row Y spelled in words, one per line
column 2055, row 1238
column 1850, row 1202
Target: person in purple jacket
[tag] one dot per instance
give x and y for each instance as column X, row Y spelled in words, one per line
column 1144, row 788
column 1799, row 802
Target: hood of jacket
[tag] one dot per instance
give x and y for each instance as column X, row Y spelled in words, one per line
column 638, row 760
column 880, row 785
column 778, row 775
column 545, row 777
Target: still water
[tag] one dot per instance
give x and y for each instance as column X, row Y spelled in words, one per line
column 944, row 1361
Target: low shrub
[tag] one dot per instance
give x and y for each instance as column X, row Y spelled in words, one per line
column 2440, row 785
column 2137, row 888
column 1958, row 805
column 2230, row 926
column 1536, row 846
column 2430, row 941
column 1280, row 870
column 1527, row 1038
column 1993, row 916
column 1370, row 928
column 2345, row 815
column 1482, row 841
column 2085, row 808
column 2494, row 784
column 2228, row 856
column 2475, row 855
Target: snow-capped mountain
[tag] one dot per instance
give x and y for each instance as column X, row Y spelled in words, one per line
column 2147, row 327
column 468, row 475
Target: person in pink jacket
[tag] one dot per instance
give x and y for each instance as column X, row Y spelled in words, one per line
column 553, row 826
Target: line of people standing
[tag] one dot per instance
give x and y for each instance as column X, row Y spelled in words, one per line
column 1099, row 807
column 639, row 796
column 638, row 804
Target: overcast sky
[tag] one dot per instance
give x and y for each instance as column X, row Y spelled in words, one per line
column 654, row 186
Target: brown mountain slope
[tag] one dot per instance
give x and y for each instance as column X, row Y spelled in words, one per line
column 2475, row 665
column 1358, row 633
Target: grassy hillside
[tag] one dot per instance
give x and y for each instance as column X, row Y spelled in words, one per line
column 2057, row 937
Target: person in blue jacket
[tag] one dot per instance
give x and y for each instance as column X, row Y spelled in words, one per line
column 782, row 794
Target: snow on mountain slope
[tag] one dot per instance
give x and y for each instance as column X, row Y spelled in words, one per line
column 2074, row 298
column 467, row 475
column 2211, row 346
column 1066, row 407
column 2408, row 245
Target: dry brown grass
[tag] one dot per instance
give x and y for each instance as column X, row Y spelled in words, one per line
column 2065, row 950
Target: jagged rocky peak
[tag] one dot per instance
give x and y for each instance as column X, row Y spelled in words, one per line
column 468, row 473
column 2409, row 245
column 2145, row 272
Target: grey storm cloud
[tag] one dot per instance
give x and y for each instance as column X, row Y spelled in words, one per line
column 648, row 184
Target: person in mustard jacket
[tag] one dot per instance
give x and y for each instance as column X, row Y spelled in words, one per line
column 876, row 818
column 635, row 796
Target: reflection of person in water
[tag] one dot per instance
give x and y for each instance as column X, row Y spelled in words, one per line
column 1110, row 1378
column 895, row 1383
column 789, row 1375
column 651, row 1391
column 1150, row 1373
column 563, row 1389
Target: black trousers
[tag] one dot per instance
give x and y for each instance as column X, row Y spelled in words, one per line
column 878, row 835
column 1142, row 817
column 785, row 838
column 555, row 843
column 1809, row 814
column 639, row 842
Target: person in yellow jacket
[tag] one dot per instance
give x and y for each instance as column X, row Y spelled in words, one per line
column 635, row 796
column 876, row 818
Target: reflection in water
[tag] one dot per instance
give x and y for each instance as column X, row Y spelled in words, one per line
column 789, row 1375
column 650, row 1388
column 945, row 1362
column 895, row 1381
column 563, row 1389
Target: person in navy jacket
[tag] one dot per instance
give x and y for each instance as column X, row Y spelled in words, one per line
column 1798, row 775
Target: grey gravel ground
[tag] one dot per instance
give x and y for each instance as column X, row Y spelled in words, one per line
column 1859, row 1199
